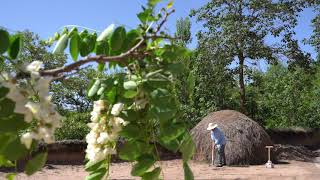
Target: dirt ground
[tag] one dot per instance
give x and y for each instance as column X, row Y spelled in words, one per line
column 173, row 170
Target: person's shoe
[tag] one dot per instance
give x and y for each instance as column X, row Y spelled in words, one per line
column 219, row 165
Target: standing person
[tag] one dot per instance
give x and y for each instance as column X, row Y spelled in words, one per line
column 218, row 145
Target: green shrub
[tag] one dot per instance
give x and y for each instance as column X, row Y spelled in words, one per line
column 74, row 126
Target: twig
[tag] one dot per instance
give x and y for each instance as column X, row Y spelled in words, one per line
column 98, row 59
column 163, row 37
column 164, row 20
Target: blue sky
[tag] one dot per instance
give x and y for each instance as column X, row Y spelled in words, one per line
column 46, row 17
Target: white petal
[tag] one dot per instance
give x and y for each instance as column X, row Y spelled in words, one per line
column 42, row 86
column 28, row 117
column 20, row 108
column 117, row 108
column 33, row 107
column 103, row 138
column 15, row 95
column 48, row 138
column 34, row 66
column 26, row 139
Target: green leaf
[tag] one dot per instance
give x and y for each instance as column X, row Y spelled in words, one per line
column 96, row 175
column 191, row 83
column 4, row 41
column 117, row 39
column 106, row 33
column 158, row 82
column 132, row 131
column 145, row 16
column 153, row 175
column 84, row 34
column 143, row 164
column 56, row 36
column 5, row 139
column 6, row 107
column 160, row 94
column 130, row 85
column 153, row 73
column 102, row 48
column 164, row 112
column 3, row 91
column 175, row 68
column 132, row 39
column 111, row 95
column 74, row 46
column 94, row 89
column 171, row 132
column 92, row 166
column 61, row 44
column 14, row 150
column 130, row 94
column 65, row 31
column 101, row 67
column 91, row 42
column 11, row 176
column 12, row 123
column 172, row 145
column 72, row 32
column 187, row 147
column 132, row 150
column 153, row 2
column 36, row 163
column 5, row 162
column 84, row 46
column 15, row 46
column 129, row 115
column 164, row 108
column 188, row 175
column 169, row 5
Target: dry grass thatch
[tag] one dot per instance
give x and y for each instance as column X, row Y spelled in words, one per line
column 246, row 140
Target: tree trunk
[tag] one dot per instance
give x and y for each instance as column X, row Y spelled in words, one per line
column 241, row 83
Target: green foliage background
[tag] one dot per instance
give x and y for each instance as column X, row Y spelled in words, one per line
column 286, row 94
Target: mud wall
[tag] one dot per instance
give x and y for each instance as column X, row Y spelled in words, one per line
column 73, row 151
column 301, row 137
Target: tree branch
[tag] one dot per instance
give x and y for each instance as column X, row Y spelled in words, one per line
column 164, row 20
column 98, row 59
column 101, row 59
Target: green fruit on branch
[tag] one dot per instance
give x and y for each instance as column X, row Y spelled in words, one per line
column 61, row 44
column 106, row 33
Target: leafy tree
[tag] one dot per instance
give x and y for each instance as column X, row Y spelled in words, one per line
column 183, row 26
column 285, row 98
column 315, row 38
column 238, row 28
column 74, row 126
column 296, row 57
column 35, row 49
column 214, row 84
column 70, row 93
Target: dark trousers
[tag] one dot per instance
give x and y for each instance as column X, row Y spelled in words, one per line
column 219, row 157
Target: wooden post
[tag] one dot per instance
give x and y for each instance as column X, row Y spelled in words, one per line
column 212, row 153
column 269, row 164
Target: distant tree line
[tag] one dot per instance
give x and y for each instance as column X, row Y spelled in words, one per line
column 224, row 65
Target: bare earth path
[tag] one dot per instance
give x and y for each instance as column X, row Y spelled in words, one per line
column 173, row 170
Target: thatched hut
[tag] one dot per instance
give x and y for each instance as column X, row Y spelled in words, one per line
column 246, row 140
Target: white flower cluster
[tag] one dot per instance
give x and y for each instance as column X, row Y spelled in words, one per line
column 104, row 131
column 48, row 119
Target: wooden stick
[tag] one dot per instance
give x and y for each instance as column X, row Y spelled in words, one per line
column 212, row 153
